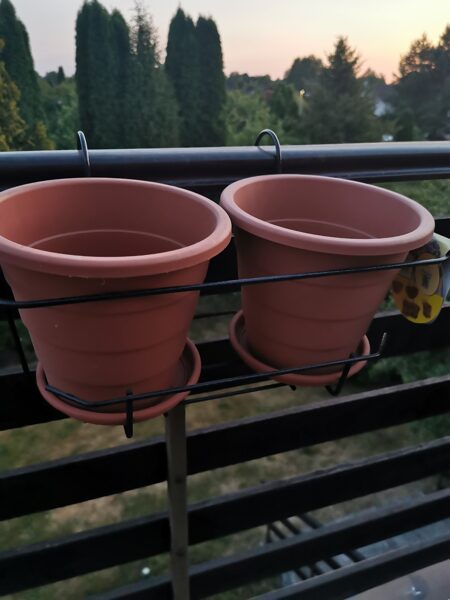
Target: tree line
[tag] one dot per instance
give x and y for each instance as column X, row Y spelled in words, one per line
column 333, row 102
column 127, row 97
column 123, row 95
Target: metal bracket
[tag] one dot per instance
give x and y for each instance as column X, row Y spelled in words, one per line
column 337, row 388
column 276, row 142
column 128, row 425
column 175, row 422
column 83, row 147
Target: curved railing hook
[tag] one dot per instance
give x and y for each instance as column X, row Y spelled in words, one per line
column 276, row 142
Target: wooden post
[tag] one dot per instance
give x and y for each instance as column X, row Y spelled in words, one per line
column 177, row 492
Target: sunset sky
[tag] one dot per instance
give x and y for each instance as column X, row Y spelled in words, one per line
column 258, row 36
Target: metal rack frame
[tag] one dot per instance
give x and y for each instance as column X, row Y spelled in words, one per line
column 208, row 170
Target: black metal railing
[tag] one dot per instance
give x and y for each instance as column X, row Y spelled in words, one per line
column 210, row 169
column 67, row 481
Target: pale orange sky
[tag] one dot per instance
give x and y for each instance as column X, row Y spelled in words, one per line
column 258, row 36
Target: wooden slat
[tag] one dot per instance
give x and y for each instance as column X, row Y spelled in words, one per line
column 21, row 404
column 223, row 574
column 368, row 574
column 75, row 479
column 116, row 544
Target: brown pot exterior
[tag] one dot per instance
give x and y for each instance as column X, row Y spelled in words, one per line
column 297, row 323
column 101, row 350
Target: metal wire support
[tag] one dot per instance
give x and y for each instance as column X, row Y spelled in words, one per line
column 337, row 388
column 83, row 147
column 177, row 492
column 17, row 342
column 206, row 386
column 213, row 286
column 276, row 142
column 128, row 425
column 10, row 316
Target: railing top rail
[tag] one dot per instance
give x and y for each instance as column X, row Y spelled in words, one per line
column 216, row 167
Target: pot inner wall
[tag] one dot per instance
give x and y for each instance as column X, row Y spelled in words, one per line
column 328, row 207
column 104, row 218
column 107, row 243
column 321, row 228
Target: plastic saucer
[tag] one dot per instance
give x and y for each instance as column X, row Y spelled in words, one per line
column 238, row 341
column 188, row 373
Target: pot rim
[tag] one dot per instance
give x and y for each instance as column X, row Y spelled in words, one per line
column 16, row 254
column 322, row 243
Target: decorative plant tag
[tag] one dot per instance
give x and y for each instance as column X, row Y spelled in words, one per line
column 419, row 292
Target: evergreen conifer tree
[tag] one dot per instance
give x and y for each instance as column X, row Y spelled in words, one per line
column 141, row 89
column 151, row 110
column 95, row 75
column 211, row 85
column 120, row 68
column 423, row 86
column 54, row 78
column 182, row 69
column 166, row 110
column 339, row 109
column 12, row 126
column 18, row 61
column 60, row 76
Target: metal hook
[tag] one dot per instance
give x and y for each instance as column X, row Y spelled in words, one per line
column 83, row 147
column 128, row 425
column 337, row 389
column 276, row 142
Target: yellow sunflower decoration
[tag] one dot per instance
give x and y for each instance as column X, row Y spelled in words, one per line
column 419, row 292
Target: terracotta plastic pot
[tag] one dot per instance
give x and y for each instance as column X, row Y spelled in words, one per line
column 294, row 223
column 86, row 236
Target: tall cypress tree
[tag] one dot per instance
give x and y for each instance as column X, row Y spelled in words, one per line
column 95, row 75
column 211, row 85
column 18, row 62
column 182, row 68
column 120, row 59
column 151, row 109
column 166, row 110
column 141, row 89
